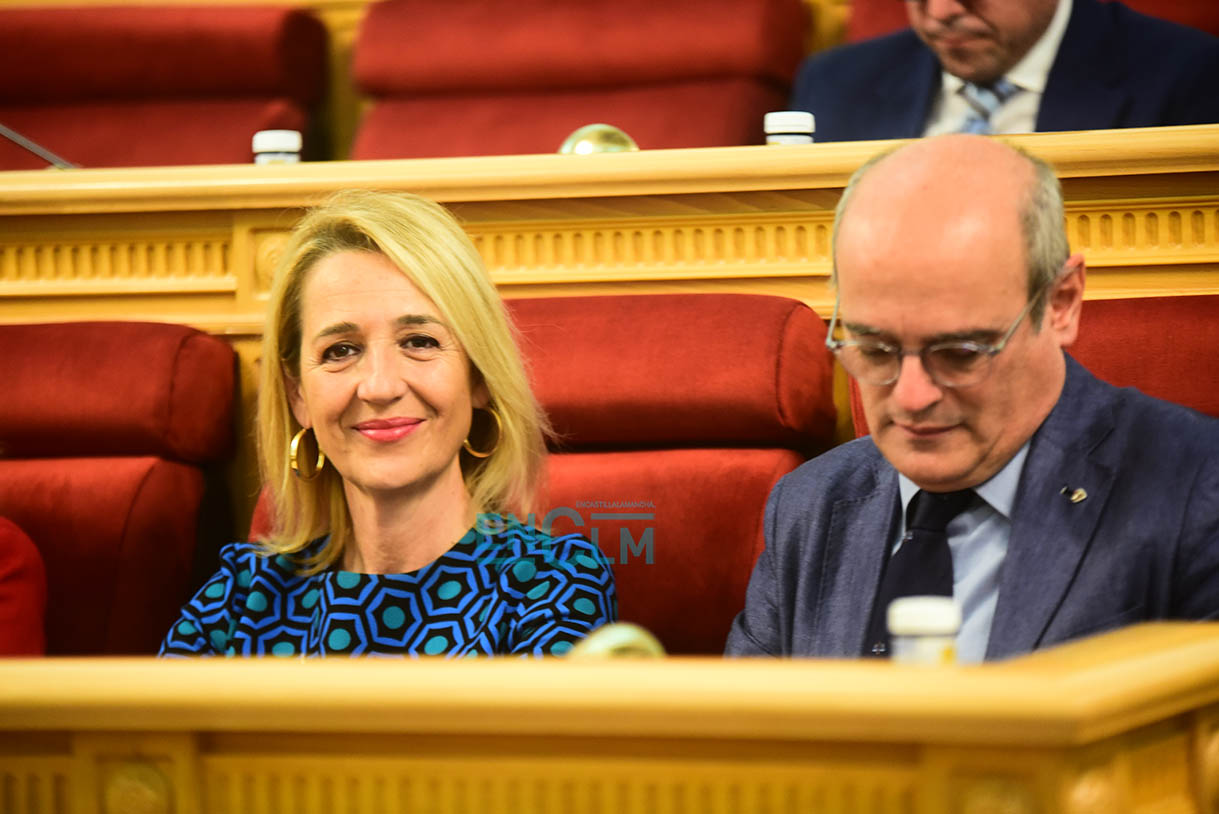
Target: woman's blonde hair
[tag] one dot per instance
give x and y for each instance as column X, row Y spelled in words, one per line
column 431, row 249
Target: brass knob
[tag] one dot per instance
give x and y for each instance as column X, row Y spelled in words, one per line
column 618, row 640
column 598, row 138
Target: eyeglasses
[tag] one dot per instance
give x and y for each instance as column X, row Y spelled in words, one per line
column 949, row 364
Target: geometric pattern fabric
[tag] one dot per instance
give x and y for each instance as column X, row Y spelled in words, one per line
column 511, row 590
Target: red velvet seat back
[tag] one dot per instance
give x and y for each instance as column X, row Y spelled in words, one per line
column 148, row 85
column 23, row 593
column 1168, row 347
column 104, row 430
column 872, row 18
column 676, row 415
column 481, row 77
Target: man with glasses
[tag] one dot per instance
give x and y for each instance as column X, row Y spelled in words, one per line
column 1048, row 504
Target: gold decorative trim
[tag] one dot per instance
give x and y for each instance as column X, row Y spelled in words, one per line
column 268, row 244
column 544, row 784
column 746, row 246
column 1119, row 235
column 35, row 785
column 172, row 264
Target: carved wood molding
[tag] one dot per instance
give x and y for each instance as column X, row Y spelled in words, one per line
column 139, row 263
column 1145, row 233
column 656, row 249
column 157, row 260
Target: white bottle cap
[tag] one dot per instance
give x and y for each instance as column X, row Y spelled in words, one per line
column 277, row 141
column 924, row 616
column 788, row 121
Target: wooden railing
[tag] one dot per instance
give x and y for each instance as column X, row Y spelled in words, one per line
column 1124, row 723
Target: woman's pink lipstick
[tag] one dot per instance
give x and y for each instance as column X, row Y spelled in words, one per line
column 388, row 429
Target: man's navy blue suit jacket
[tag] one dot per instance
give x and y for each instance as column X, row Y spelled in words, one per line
column 1143, row 545
column 1115, row 68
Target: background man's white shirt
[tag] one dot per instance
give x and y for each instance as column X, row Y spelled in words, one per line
column 1019, row 113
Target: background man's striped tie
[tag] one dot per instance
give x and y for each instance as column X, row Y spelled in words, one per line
column 984, row 101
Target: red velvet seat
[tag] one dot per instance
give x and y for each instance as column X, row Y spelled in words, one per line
column 106, row 429
column 482, row 77
column 675, row 414
column 1168, row 347
column 23, row 593
column 872, row 18
column 147, row 85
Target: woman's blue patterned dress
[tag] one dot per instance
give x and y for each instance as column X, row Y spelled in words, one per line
column 509, row 591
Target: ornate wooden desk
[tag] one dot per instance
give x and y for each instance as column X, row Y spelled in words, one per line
column 1127, row 722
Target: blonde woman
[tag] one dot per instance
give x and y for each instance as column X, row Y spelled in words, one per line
column 399, row 439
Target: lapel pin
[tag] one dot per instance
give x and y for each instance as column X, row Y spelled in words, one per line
column 1075, row 496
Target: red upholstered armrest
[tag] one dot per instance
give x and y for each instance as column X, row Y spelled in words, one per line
column 23, row 593
column 129, row 52
column 117, row 536
column 679, row 370
column 102, row 428
column 409, row 46
column 116, row 388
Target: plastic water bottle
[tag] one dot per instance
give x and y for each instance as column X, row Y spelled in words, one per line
column 923, row 629
column 277, row 147
column 789, row 127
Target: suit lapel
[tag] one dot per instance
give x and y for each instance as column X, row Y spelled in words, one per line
column 1050, row 532
column 861, row 530
column 904, row 99
column 1087, row 87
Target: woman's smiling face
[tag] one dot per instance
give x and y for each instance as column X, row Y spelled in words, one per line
column 384, row 383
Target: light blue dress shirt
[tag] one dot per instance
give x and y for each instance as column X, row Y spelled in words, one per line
column 978, row 539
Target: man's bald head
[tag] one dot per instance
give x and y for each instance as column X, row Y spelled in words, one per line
column 944, row 249
column 951, row 183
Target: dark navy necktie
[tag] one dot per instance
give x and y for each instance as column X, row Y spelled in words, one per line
column 922, row 566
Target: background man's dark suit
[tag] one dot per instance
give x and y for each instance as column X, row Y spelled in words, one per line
column 1115, row 68
column 1143, row 544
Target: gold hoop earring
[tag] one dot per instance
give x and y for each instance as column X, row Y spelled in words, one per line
column 294, row 461
column 499, row 435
